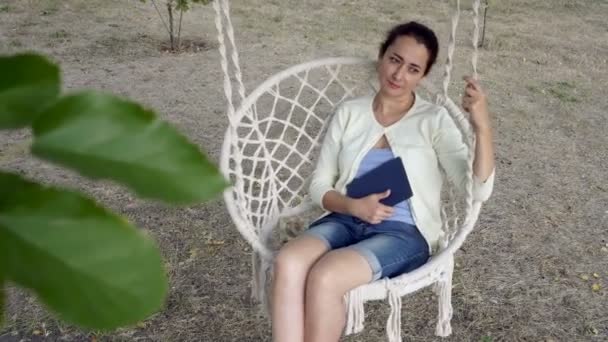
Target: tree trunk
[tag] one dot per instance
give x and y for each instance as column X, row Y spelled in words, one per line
column 171, row 34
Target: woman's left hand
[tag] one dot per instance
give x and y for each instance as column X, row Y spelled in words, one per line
column 475, row 102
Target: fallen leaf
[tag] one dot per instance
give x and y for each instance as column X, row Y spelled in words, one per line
column 595, row 275
column 585, row 277
column 193, row 253
column 604, row 249
column 141, row 325
column 215, row 242
column 37, row 332
column 595, row 287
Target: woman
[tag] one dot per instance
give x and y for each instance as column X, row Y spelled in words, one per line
column 362, row 240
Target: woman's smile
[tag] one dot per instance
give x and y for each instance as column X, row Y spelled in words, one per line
column 393, row 85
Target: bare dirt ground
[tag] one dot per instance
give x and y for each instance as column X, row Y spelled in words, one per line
column 519, row 275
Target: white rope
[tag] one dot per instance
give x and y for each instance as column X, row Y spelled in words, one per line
column 451, row 47
column 444, row 288
column 450, row 228
column 355, row 311
column 393, row 324
column 475, row 38
column 471, row 139
column 224, row 60
column 222, row 11
column 235, row 56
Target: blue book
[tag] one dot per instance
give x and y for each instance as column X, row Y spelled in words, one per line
column 389, row 175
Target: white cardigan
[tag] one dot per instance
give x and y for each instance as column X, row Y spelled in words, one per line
column 424, row 138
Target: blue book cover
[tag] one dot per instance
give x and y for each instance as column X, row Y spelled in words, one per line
column 389, row 175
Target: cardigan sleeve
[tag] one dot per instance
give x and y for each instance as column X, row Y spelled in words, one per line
column 452, row 154
column 327, row 170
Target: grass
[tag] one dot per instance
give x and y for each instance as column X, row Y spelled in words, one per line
column 518, row 278
column 51, row 8
column 4, row 9
column 564, row 91
column 14, row 151
column 15, row 43
column 61, row 34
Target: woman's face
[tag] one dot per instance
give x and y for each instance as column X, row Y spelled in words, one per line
column 402, row 67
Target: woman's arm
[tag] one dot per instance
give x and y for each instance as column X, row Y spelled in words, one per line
column 475, row 102
column 326, row 171
column 483, row 165
column 452, row 151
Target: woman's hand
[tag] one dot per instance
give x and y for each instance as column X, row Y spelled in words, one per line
column 369, row 208
column 475, row 102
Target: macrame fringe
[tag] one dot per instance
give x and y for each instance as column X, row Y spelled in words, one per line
column 355, row 311
column 261, row 270
column 393, row 325
column 444, row 293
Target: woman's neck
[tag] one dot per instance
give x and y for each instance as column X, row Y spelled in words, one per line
column 385, row 106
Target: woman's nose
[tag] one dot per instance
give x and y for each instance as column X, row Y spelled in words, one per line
column 398, row 74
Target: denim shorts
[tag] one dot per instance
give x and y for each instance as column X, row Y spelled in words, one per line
column 390, row 247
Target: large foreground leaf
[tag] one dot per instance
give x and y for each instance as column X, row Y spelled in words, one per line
column 87, row 264
column 28, row 83
column 102, row 136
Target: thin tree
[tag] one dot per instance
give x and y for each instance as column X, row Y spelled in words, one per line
column 173, row 7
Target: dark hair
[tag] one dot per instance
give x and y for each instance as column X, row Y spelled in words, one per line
column 421, row 33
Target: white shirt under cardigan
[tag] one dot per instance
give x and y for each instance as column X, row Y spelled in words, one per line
column 425, row 138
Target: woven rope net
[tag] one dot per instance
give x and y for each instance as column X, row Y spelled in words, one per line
column 269, row 152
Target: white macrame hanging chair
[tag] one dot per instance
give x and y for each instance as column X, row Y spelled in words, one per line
column 268, row 155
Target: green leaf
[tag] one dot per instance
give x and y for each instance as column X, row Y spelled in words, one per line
column 28, row 84
column 89, row 265
column 102, row 136
column 182, row 5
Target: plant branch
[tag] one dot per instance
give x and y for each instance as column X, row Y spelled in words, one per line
column 161, row 17
column 179, row 30
column 483, row 33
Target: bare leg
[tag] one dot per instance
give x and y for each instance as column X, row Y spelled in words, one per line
column 291, row 268
column 331, row 277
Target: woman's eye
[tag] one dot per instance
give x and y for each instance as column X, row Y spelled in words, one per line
column 394, row 60
column 414, row 70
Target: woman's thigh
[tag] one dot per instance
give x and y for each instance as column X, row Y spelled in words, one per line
column 333, row 232
column 393, row 249
column 302, row 252
column 296, row 257
column 338, row 272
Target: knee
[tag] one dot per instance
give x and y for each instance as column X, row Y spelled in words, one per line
column 321, row 280
column 289, row 263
